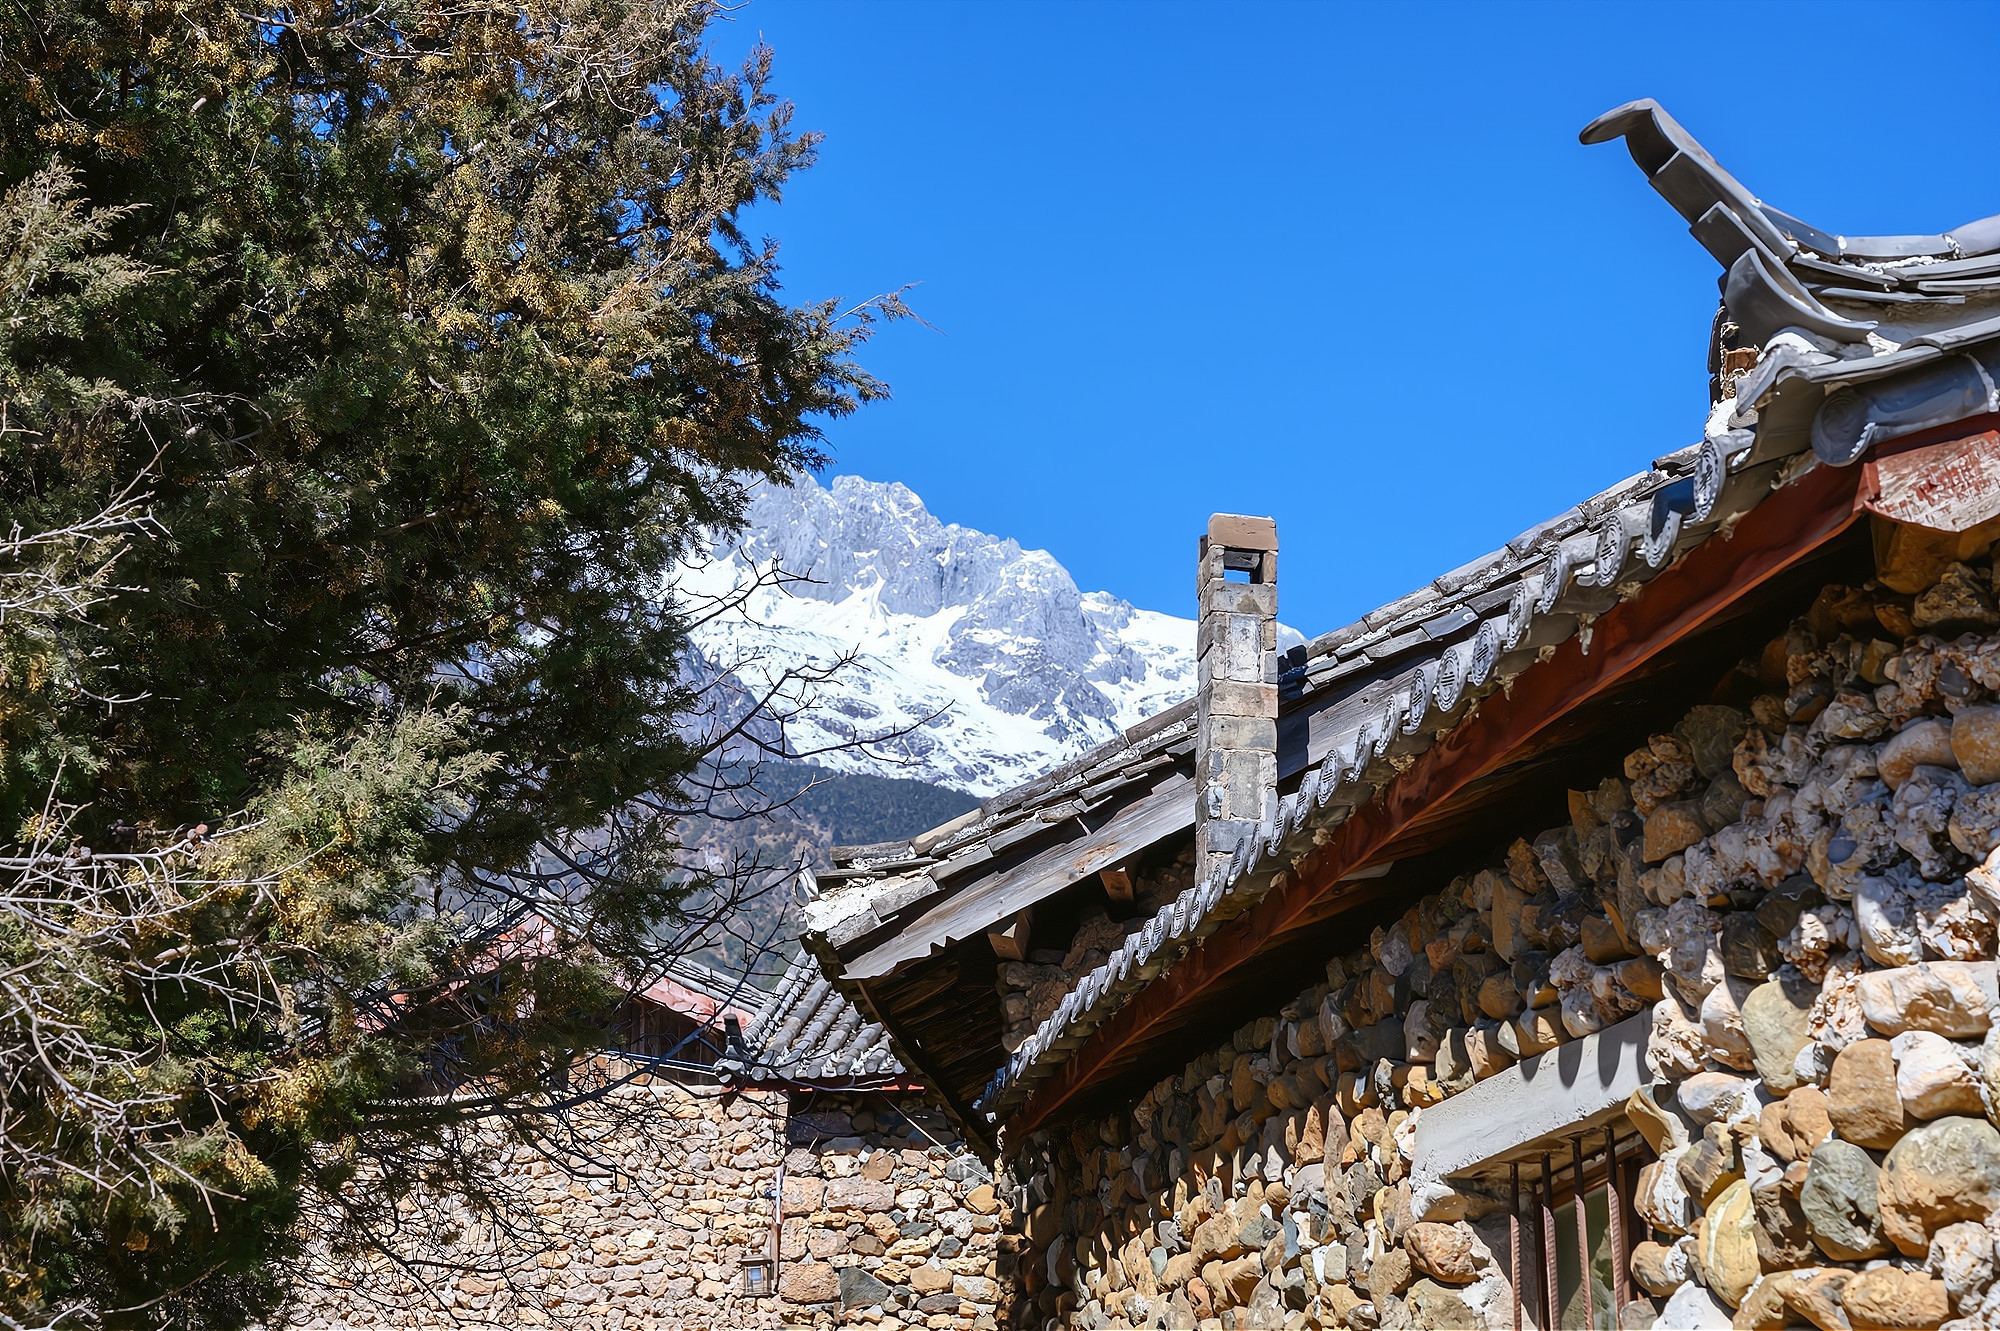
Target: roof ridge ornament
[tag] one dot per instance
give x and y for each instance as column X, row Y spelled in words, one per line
column 1747, row 238
column 1690, row 178
column 1684, row 172
column 1764, row 299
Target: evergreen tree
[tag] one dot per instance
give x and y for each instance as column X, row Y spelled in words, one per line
column 364, row 371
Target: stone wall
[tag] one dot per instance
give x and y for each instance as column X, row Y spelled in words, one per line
column 887, row 1222
column 1793, row 881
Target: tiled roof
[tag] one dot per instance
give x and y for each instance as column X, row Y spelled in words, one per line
column 1477, row 627
column 1847, row 342
column 1425, row 662
column 1355, row 701
column 703, row 993
column 873, row 884
column 809, row 1034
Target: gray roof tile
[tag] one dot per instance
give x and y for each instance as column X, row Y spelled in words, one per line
column 1386, row 684
column 809, row 1034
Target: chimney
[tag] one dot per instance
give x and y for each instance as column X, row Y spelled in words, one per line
column 1236, row 707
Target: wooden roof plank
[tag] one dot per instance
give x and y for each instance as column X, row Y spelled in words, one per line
column 1166, row 810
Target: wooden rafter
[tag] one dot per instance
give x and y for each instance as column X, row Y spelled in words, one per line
column 917, row 1059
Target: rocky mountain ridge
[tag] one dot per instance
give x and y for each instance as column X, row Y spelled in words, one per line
column 987, row 656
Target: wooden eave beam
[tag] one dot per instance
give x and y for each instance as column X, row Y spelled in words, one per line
column 1009, row 939
column 1783, row 531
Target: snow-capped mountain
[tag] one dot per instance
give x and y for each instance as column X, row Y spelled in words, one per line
column 1015, row 668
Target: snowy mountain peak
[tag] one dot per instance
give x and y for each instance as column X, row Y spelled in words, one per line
column 1022, row 670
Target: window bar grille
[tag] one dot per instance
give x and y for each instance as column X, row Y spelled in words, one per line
column 1547, row 1238
column 1620, row 1260
column 1582, row 1229
column 1514, row 1239
column 1636, row 1228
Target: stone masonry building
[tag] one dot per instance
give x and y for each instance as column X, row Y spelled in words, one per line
column 1600, row 935
column 801, row 1179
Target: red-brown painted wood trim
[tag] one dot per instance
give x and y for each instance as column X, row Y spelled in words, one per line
column 1773, row 537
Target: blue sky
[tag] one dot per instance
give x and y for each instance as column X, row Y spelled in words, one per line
column 1346, row 266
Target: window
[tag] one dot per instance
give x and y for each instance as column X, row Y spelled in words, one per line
column 1495, row 1136
column 1598, row 1312
column 1588, row 1266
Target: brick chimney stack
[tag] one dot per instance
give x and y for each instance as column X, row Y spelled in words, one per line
column 1236, row 708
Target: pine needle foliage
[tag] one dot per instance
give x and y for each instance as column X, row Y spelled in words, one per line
column 365, row 369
